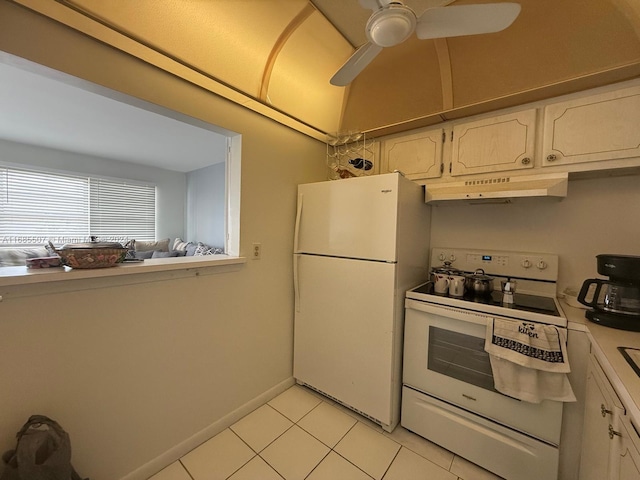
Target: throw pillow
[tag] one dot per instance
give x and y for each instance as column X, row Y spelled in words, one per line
column 180, row 245
column 191, row 249
column 144, row 255
column 203, row 249
column 159, row 245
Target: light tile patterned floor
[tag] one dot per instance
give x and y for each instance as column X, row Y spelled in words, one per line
column 301, row 435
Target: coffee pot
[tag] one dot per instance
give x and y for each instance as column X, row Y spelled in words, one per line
column 508, row 288
column 447, row 280
column 614, row 302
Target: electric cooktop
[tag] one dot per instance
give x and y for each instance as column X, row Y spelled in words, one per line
column 536, row 275
column 521, row 301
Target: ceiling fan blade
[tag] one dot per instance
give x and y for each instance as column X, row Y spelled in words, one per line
column 457, row 20
column 356, row 63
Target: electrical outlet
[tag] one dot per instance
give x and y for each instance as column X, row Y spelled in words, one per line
column 257, row 251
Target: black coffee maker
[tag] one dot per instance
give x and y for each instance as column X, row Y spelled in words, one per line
column 614, row 302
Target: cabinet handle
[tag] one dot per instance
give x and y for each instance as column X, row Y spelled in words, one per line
column 613, row 433
column 604, row 411
column 526, row 161
column 552, row 157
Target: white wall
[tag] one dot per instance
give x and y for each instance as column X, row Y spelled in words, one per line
column 599, row 215
column 132, row 370
column 206, row 205
column 171, row 186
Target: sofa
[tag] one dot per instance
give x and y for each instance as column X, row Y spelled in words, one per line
column 138, row 250
column 142, row 250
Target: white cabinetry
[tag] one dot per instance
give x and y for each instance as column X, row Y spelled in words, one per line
column 629, row 456
column 610, row 443
column 418, row 155
column 582, row 132
column 494, row 144
column 600, row 127
column 602, row 412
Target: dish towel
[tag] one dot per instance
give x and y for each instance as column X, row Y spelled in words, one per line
column 529, row 360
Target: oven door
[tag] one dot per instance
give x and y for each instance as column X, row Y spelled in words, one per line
column 444, row 357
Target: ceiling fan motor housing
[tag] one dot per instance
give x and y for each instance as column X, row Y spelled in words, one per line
column 391, row 25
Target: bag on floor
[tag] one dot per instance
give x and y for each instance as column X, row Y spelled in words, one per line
column 43, row 452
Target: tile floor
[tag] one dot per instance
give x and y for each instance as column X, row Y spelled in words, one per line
column 303, row 435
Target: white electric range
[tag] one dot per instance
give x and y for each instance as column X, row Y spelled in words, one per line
column 448, row 392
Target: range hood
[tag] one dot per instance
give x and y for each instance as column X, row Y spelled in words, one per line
column 503, row 189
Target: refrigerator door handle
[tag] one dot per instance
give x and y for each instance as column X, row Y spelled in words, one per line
column 296, row 231
column 296, row 284
column 296, row 237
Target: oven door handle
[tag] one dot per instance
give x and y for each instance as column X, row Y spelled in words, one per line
column 448, row 312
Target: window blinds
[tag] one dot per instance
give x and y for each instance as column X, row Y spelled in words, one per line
column 37, row 206
column 122, row 209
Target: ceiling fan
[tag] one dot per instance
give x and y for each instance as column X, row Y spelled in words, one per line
column 392, row 23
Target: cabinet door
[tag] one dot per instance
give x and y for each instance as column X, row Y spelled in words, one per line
column 495, row 144
column 600, row 127
column 629, row 462
column 602, row 409
column 345, row 331
column 417, row 156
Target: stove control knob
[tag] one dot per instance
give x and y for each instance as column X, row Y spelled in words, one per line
column 526, row 263
column 452, row 257
column 441, row 257
column 541, row 265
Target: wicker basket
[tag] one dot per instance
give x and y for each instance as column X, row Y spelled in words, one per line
column 91, row 257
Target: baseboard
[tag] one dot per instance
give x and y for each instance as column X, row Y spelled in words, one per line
column 167, row 458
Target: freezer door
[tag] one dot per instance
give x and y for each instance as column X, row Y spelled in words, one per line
column 352, row 218
column 345, row 331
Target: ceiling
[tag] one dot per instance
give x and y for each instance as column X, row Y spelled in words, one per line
column 39, row 109
column 277, row 56
column 552, row 48
column 282, row 53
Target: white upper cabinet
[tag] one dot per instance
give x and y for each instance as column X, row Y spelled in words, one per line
column 418, row 155
column 599, row 127
column 589, row 131
column 495, row 144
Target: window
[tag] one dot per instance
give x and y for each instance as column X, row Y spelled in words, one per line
column 118, row 208
column 129, row 130
column 38, row 206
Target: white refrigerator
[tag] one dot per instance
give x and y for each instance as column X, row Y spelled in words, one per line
column 359, row 244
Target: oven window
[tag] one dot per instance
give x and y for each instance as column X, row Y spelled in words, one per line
column 459, row 356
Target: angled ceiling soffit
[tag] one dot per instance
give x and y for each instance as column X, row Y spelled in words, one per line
column 583, row 45
column 239, row 56
column 579, row 39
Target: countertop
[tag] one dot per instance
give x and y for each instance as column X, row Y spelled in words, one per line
column 604, row 345
column 13, row 276
column 18, row 282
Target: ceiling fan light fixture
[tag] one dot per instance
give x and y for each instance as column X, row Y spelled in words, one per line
column 390, row 26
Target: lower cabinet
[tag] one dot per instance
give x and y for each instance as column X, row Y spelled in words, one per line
column 629, row 454
column 610, row 442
